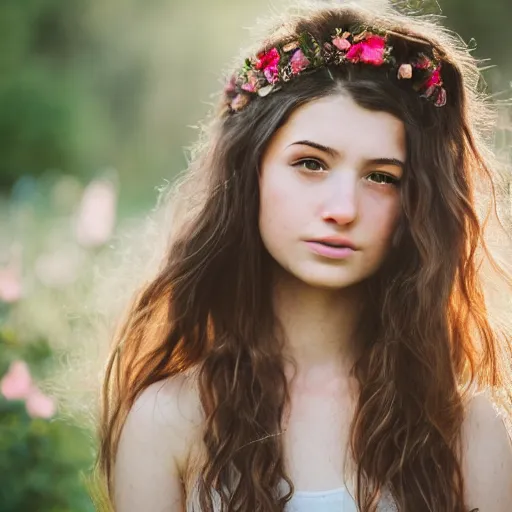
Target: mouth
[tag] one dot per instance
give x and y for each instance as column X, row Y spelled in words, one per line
column 332, row 244
column 335, row 242
column 330, row 249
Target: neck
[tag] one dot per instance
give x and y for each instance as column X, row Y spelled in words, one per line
column 318, row 324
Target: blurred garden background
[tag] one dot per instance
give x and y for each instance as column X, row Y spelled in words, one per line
column 98, row 100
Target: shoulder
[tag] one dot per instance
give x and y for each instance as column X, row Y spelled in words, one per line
column 154, row 446
column 487, row 456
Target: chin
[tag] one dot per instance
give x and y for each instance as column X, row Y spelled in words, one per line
column 329, row 279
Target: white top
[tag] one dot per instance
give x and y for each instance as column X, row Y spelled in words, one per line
column 334, row 500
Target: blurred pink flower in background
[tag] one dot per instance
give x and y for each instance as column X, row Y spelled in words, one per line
column 17, row 384
column 10, row 284
column 39, row 405
column 97, row 214
column 60, row 267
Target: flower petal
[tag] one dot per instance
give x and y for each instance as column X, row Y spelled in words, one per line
column 17, row 382
column 405, row 71
column 39, row 405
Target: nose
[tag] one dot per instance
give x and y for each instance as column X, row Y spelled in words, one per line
column 340, row 205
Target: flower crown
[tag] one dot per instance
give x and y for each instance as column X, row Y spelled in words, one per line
column 266, row 72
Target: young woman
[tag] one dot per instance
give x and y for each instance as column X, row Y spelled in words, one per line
column 319, row 336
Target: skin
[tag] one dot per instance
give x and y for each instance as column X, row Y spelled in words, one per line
column 309, row 193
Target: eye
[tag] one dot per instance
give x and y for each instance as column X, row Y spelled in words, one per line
column 384, row 179
column 310, row 165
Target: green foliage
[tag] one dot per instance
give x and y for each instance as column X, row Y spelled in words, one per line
column 45, row 464
column 89, row 85
column 43, row 461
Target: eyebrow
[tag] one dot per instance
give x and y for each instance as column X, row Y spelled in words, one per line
column 334, row 153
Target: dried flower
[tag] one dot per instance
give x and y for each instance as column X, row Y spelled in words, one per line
column 405, row 71
column 230, row 86
column 441, row 97
column 422, row 62
column 290, row 46
column 361, row 36
column 252, row 82
column 239, row 102
column 298, row 62
column 341, row 43
column 369, row 51
column 264, row 73
column 264, row 91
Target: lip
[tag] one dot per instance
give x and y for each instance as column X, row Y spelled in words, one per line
column 338, row 240
column 336, row 253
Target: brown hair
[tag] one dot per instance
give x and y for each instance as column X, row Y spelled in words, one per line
column 431, row 335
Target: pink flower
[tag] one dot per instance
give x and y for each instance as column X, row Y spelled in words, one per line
column 369, row 51
column 434, row 78
column 250, row 85
column 405, row 71
column 39, row 405
column 17, row 385
column 341, row 43
column 271, row 74
column 97, row 214
column 268, row 61
column 299, row 62
column 17, row 382
column 10, row 284
column 230, row 86
column 441, row 97
column 239, row 102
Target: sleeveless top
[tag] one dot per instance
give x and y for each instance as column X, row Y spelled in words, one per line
column 334, row 500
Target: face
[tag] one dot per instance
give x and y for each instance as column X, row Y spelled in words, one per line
column 330, row 177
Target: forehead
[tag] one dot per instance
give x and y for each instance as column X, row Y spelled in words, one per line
column 340, row 123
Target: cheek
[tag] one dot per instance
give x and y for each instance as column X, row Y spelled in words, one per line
column 381, row 221
column 281, row 203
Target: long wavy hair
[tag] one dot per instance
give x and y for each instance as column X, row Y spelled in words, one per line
column 432, row 326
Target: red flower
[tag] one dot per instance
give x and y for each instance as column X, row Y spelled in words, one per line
column 434, row 78
column 369, row 51
column 268, row 61
column 423, row 62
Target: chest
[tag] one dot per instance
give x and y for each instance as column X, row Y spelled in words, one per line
column 316, row 439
